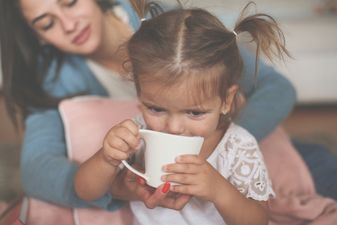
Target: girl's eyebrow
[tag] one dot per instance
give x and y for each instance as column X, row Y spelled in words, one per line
column 200, row 109
column 153, row 105
column 150, row 104
column 192, row 108
column 35, row 20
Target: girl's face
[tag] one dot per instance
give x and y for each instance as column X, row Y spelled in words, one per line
column 73, row 26
column 172, row 110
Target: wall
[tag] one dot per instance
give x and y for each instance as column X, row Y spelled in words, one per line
column 311, row 33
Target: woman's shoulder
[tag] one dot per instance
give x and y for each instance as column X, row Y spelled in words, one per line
column 71, row 77
column 69, row 63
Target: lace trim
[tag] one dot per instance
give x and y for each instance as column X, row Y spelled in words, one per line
column 244, row 167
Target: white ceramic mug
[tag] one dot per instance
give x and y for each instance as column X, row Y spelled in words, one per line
column 162, row 149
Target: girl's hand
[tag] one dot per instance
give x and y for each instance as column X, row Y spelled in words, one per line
column 120, row 141
column 196, row 177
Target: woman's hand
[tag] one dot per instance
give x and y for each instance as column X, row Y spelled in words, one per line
column 160, row 196
column 128, row 186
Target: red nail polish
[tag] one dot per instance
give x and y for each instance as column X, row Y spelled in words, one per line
column 166, row 187
column 140, row 181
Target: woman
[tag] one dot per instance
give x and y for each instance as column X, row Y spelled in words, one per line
column 55, row 49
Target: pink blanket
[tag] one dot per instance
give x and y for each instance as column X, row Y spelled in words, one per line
column 296, row 201
column 87, row 120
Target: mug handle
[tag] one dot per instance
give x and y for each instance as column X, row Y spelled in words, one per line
column 141, row 131
column 134, row 170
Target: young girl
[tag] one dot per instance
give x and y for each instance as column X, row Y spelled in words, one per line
column 55, row 49
column 186, row 67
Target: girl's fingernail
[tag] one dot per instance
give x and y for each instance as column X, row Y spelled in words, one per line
column 166, row 187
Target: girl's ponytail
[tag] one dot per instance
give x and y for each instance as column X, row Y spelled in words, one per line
column 143, row 7
column 140, row 7
column 265, row 32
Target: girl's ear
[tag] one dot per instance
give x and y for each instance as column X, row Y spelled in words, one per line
column 228, row 103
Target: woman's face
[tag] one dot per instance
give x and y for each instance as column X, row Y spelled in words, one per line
column 73, row 26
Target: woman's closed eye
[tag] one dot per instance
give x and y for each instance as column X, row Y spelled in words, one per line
column 45, row 23
column 48, row 26
column 69, row 3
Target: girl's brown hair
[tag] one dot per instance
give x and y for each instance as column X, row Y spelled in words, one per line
column 193, row 45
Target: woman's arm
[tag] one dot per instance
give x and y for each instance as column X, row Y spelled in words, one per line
column 269, row 97
column 47, row 173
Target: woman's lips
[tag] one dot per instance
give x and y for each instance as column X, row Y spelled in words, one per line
column 82, row 37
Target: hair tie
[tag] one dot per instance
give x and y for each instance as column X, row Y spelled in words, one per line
column 236, row 34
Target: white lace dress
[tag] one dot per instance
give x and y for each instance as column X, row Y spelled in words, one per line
column 238, row 158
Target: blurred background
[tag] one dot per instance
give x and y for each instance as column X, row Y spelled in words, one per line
column 310, row 27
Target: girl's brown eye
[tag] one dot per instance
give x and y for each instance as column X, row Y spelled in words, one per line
column 196, row 113
column 155, row 109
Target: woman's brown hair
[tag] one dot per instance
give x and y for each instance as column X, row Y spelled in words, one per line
column 25, row 62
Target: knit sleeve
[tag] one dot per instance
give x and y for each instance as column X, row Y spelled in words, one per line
column 270, row 97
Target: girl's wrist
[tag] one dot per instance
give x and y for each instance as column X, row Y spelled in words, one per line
column 222, row 194
column 109, row 160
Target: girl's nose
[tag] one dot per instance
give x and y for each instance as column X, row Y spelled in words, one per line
column 175, row 125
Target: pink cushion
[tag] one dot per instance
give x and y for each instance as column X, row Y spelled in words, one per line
column 86, row 121
column 44, row 213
